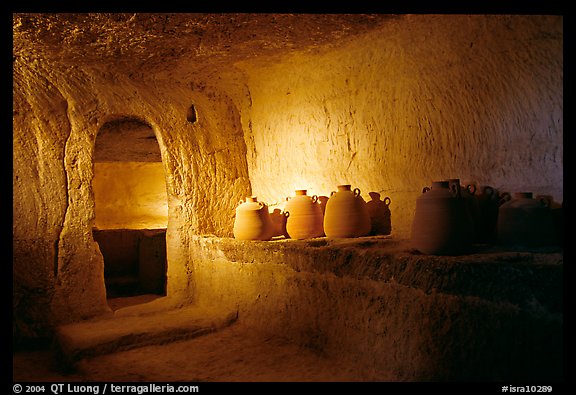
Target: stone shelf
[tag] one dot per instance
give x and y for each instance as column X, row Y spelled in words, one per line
column 529, row 278
column 493, row 314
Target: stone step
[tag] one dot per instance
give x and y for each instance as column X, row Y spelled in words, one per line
column 124, row 331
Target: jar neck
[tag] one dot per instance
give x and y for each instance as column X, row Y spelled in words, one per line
column 440, row 184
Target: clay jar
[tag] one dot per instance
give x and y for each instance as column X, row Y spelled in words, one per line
column 442, row 224
column 526, row 222
column 379, row 212
column 252, row 221
column 471, row 203
column 278, row 219
column 303, row 216
column 488, row 203
column 323, row 201
column 346, row 214
column 556, row 213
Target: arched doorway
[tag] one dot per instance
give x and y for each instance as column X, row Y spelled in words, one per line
column 131, row 211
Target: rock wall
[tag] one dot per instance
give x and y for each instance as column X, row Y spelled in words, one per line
column 130, row 195
column 40, row 198
column 58, row 111
column 426, row 97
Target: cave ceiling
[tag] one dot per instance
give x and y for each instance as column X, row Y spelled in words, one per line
column 157, row 42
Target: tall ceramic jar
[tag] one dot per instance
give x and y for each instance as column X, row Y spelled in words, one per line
column 556, row 213
column 252, row 221
column 304, row 218
column 379, row 212
column 488, row 203
column 442, row 224
column 346, row 214
column 471, row 202
column 526, row 222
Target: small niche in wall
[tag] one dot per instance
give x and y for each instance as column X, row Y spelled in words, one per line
column 191, row 114
column 129, row 182
column 131, row 209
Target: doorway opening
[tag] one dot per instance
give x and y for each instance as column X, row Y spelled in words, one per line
column 131, row 211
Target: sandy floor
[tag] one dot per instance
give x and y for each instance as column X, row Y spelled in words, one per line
column 232, row 354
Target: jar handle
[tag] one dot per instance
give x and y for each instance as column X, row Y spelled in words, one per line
column 314, row 198
column 356, row 192
column 240, row 202
column 286, row 214
column 471, row 188
column 425, row 189
column 488, row 190
column 545, row 202
column 455, row 189
column 387, row 201
column 332, row 193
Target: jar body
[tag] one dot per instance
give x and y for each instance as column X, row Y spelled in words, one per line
column 346, row 214
column 468, row 193
column 488, row 203
column 525, row 221
column 304, row 218
column 380, row 217
column 252, row 221
column 442, row 224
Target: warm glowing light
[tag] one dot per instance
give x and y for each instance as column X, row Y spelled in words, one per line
column 130, row 195
column 310, row 186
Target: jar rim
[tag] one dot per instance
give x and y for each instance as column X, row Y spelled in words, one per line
column 441, row 184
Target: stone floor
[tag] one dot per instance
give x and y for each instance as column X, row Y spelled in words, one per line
column 227, row 352
column 233, row 354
